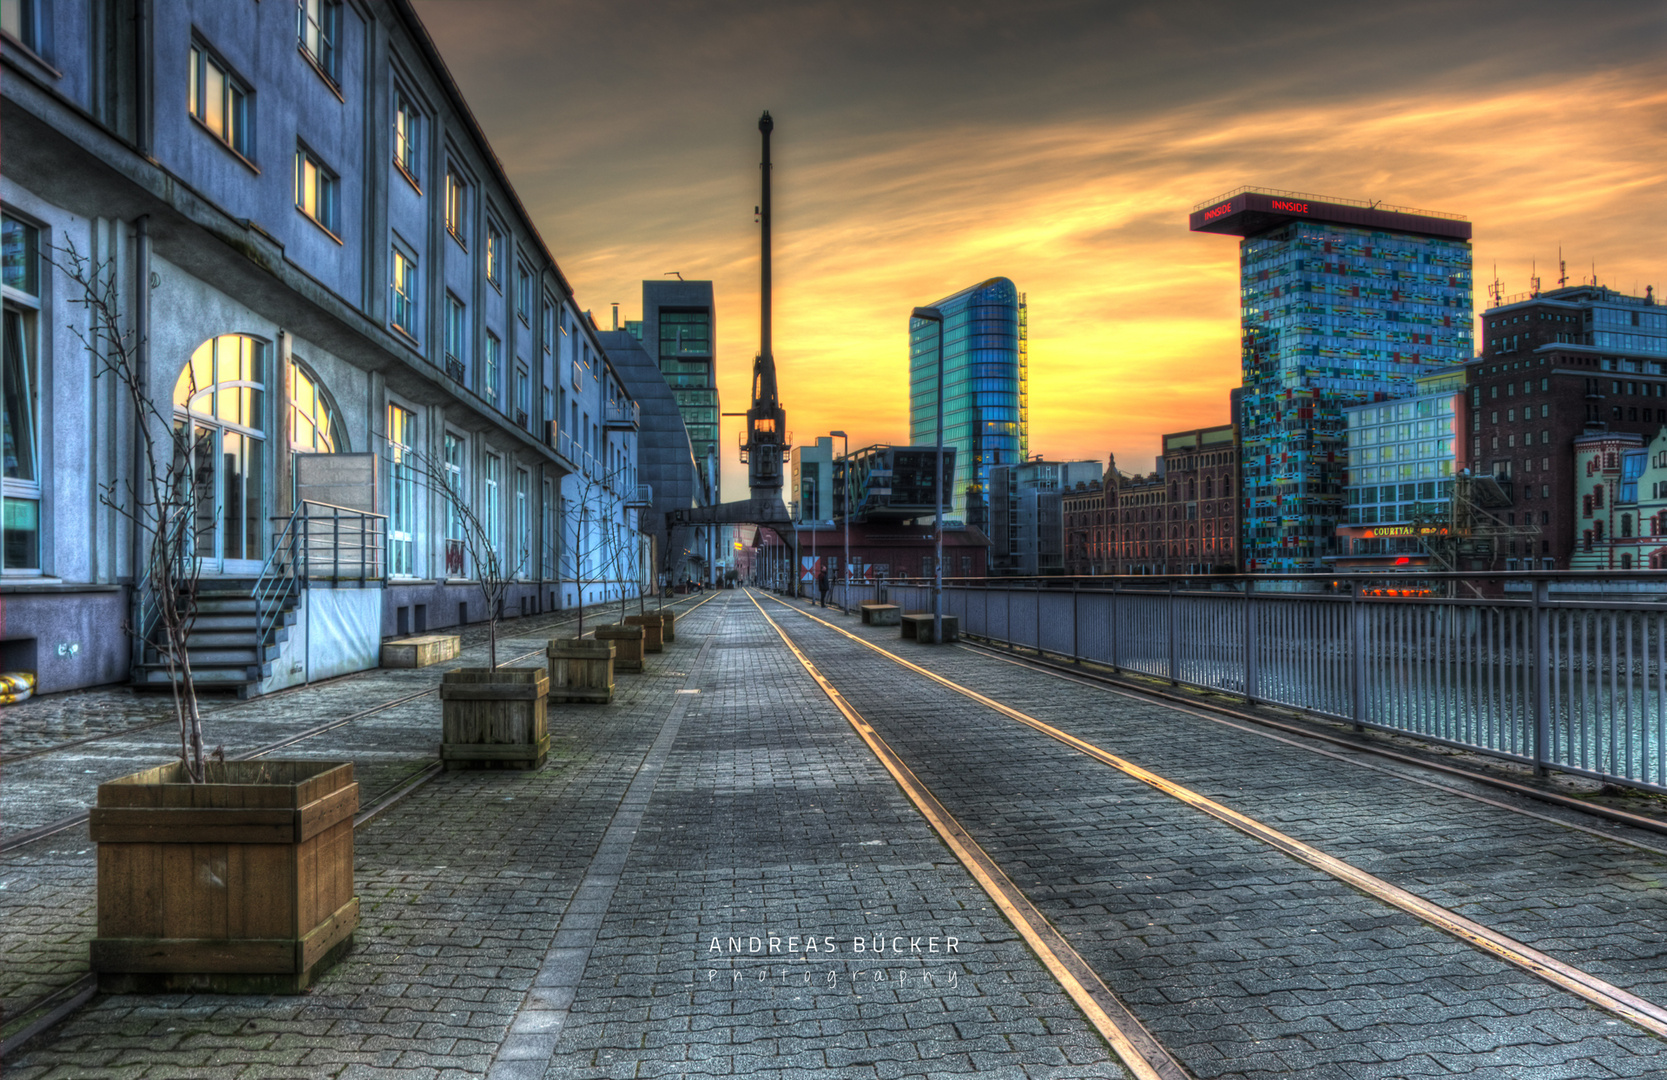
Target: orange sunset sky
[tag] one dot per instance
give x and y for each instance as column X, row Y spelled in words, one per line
column 922, row 147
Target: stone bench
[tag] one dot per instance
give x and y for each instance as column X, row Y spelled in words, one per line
column 420, row 651
column 918, row 626
column 881, row 614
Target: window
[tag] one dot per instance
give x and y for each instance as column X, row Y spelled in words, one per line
column 21, row 20
column 523, row 293
column 457, row 563
column 519, row 558
column 313, row 425
column 19, row 373
column 495, row 257
column 315, row 189
column 494, row 356
column 547, row 549
column 457, row 336
column 407, row 136
column 549, row 324
column 220, row 102
column 521, row 399
column 317, row 24
column 404, row 309
column 402, row 493
column 491, row 509
column 457, row 205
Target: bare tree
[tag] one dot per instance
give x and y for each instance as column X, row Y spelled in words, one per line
column 160, row 500
column 596, row 550
column 492, row 572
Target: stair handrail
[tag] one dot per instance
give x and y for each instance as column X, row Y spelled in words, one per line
column 279, row 574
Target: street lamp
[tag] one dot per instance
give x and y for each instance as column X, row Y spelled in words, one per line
column 932, row 314
column 845, row 487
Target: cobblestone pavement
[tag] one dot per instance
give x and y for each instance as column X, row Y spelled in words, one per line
column 766, row 817
column 1246, row 963
column 47, row 909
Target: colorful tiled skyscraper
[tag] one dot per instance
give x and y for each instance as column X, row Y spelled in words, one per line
column 1341, row 302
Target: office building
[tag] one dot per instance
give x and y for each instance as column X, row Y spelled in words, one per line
column 985, row 388
column 1027, row 516
column 892, row 483
column 1342, row 302
column 679, row 329
column 340, row 298
column 1403, row 455
column 1554, row 367
column 812, row 496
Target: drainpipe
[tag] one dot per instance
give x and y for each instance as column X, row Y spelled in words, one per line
column 141, row 371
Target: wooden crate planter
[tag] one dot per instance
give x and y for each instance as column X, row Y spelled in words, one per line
column 627, row 643
column 653, row 631
column 421, row 651
column 243, row 884
column 580, row 670
column 494, row 718
column 668, row 625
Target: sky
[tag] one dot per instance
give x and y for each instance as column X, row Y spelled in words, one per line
column 924, row 146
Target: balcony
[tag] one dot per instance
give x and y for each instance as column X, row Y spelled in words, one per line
column 621, row 416
column 641, row 499
column 521, row 420
column 454, row 369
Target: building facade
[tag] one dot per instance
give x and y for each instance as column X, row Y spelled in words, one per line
column 892, row 483
column 1141, row 516
column 1607, row 468
column 1341, row 302
column 679, row 329
column 1088, row 524
column 1403, row 456
column 813, row 496
column 316, row 253
column 1554, row 367
column 1027, row 536
column 1200, row 471
column 986, row 390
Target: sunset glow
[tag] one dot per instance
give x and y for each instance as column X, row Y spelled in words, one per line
column 1132, row 319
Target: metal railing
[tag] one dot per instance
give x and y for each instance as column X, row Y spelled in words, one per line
column 336, row 546
column 1565, row 672
column 1361, row 203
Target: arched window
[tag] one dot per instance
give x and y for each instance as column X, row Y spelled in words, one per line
column 1626, row 562
column 221, row 395
column 313, row 424
column 1626, row 525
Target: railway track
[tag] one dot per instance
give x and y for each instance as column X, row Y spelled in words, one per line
column 1140, row 1052
column 55, row 1006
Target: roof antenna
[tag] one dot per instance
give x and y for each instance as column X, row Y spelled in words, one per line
column 1494, row 288
column 669, row 273
column 1534, row 279
column 1562, row 268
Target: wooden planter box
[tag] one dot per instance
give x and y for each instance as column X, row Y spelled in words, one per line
column 494, row 719
column 653, row 632
column 413, row 652
column 243, row 884
column 581, row 670
column 627, row 643
column 668, row 620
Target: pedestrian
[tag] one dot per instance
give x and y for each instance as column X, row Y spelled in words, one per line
column 822, row 584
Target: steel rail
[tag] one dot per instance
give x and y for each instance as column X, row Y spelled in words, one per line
column 1136, row 1047
column 1582, row 984
column 1252, row 725
column 64, row 1000
column 53, row 828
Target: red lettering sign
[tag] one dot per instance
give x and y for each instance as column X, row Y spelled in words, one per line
column 1290, row 207
column 1216, row 211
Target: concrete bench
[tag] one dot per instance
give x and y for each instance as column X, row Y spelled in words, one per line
column 881, row 614
column 918, row 626
column 420, row 651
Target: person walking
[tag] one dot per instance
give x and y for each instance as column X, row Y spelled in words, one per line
column 822, row 584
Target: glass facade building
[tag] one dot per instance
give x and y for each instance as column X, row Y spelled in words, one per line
column 986, row 389
column 1341, row 303
column 678, row 330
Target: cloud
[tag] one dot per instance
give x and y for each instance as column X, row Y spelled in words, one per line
column 910, row 166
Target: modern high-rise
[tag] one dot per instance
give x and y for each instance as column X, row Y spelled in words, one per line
column 678, row 329
column 1342, row 302
column 986, row 388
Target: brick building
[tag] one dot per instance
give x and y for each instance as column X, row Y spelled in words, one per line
column 1557, row 366
column 1200, row 469
column 1089, row 533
